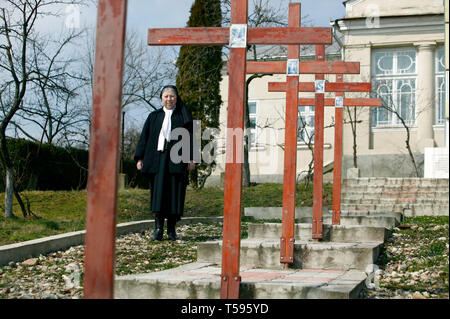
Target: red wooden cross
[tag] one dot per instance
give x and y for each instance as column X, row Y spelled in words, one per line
column 320, row 102
column 289, row 181
column 230, row 279
column 339, row 102
column 338, row 131
column 102, row 180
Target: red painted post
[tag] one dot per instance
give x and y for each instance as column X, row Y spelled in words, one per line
column 338, row 132
column 317, row 220
column 230, row 278
column 104, row 150
column 287, row 239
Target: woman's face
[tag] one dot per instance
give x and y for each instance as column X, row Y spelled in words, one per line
column 169, row 98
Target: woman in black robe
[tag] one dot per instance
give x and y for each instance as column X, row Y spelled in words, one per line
column 164, row 154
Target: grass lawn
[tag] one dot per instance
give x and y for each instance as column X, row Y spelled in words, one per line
column 65, row 211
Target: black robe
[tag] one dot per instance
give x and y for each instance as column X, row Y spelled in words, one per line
column 167, row 179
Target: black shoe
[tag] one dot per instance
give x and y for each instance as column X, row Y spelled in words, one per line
column 159, row 228
column 171, row 233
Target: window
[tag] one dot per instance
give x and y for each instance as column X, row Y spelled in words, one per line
column 440, row 86
column 305, row 125
column 394, row 81
column 253, row 126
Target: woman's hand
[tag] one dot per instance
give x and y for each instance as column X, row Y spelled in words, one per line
column 139, row 165
column 191, row 166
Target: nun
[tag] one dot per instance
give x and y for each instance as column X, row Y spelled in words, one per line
column 165, row 154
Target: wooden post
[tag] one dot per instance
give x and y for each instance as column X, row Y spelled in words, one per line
column 233, row 169
column 338, row 132
column 287, row 239
column 317, row 219
column 104, row 150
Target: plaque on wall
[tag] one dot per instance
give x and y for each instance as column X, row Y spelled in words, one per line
column 436, row 162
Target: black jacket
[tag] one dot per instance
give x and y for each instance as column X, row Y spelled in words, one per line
column 146, row 149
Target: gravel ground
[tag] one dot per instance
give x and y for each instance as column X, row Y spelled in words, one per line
column 405, row 272
column 414, row 265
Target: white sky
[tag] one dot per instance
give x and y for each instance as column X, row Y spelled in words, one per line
column 144, row 14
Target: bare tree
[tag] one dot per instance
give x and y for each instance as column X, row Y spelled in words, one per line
column 146, row 70
column 353, row 115
column 17, row 23
column 406, row 120
column 55, row 86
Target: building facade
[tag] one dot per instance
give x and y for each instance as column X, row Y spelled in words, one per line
column 400, row 45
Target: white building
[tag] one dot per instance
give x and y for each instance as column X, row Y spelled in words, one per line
column 400, row 47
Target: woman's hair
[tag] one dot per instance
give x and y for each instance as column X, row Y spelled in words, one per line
column 172, row 87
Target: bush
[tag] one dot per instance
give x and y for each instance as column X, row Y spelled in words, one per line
column 48, row 167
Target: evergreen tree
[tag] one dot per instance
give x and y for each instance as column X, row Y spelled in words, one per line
column 199, row 76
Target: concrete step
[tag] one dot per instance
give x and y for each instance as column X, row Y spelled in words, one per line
column 381, row 189
column 276, row 212
column 349, row 217
column 318, row 255
column 331, row 233
column 395, row 201
column 388, row 222
column 434, row 195
column 202, row 281
column 389, row 181
column 419, row 209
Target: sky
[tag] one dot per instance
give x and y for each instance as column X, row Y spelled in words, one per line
column 144, row 14
column 175, row 13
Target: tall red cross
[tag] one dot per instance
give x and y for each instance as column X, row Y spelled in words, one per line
column 101, row 207
column 339, row 102
column 320, row 102
column 319, row 67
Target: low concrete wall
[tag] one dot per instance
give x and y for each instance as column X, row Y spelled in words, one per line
column 388, row 165
column 33, row 248
column 275, row 212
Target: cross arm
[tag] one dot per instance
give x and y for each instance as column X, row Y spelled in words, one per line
column 329, row 87
column 347, row 102
column 316, row 67
column 221, row 36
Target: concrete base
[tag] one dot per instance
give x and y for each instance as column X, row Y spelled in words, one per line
column 202, row 281
column 265, row 253
column 275, row 212
column 353, row 172
column 123, row 181
column 400, row 165
column 348, row 217
column 331, row 233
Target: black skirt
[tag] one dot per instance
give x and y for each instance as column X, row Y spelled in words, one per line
column 167, row 191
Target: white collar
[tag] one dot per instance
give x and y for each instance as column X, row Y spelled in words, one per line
column 167, row 110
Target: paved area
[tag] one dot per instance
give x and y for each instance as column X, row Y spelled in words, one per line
column 189, row 281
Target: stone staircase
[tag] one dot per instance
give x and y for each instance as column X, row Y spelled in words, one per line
column 410, row 196
column 332, row 268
